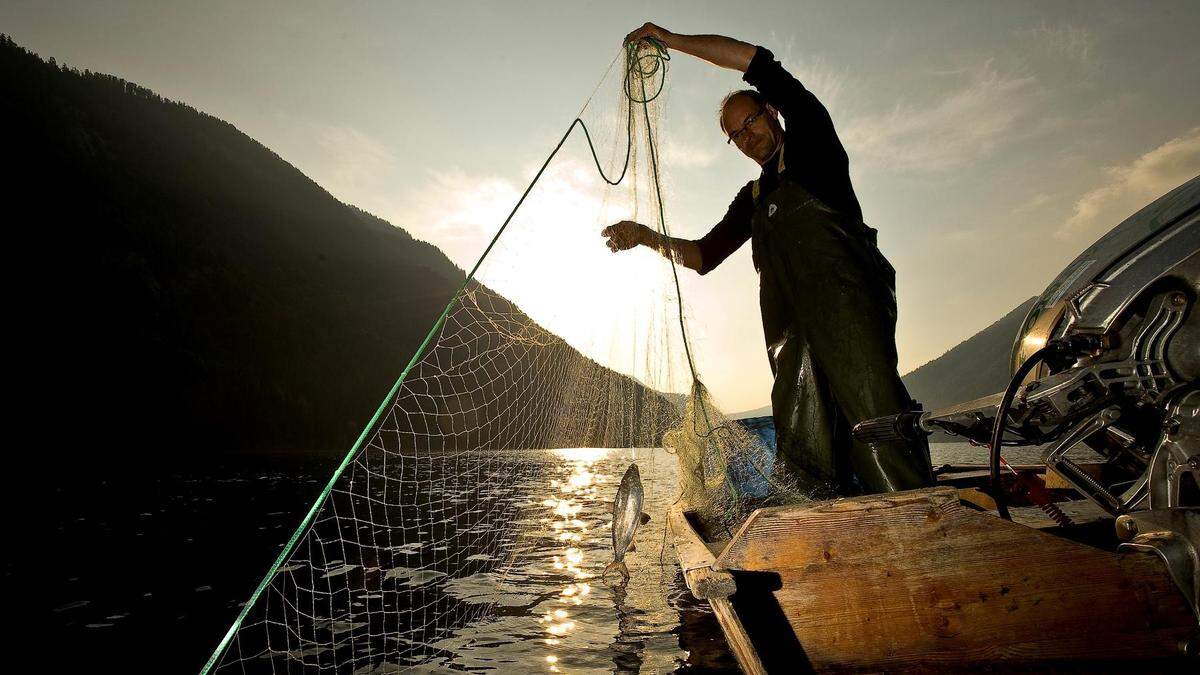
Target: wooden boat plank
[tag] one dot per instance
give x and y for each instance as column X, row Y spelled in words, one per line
column 735, row 634
column 915, row 579
column 696, row 559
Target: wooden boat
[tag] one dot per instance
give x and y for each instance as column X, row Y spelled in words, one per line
column 927, row 581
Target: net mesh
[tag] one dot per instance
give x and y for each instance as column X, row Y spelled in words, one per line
column 552, row 342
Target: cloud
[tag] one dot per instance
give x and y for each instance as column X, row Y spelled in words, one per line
column 1129, row 187
column 966, row 124
column 1035, row 202
column 353, row 160
column 831, row 84
column 459, row 212
column 683, row 155
column 453, row 208
column 1073, row 43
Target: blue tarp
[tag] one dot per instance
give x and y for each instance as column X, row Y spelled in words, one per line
column 749, row 480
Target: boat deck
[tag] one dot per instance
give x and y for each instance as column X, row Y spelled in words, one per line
column 925, row 580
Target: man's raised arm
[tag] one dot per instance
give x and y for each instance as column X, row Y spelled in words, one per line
column 716, row 49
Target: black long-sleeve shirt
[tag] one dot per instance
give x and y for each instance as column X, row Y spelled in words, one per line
column 814, row 155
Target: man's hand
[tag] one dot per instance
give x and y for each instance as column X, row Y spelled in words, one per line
column 625, row 235
column 716, row 49
column 649, row 30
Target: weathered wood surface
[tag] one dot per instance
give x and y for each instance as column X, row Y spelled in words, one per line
column 977, row 497
column 696, row 559
column 736, row 636
column 914, row 580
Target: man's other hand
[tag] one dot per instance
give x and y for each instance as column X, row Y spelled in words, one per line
column 625, row 235
column 652, row 31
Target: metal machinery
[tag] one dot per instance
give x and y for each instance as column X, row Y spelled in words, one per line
column 1109, row 356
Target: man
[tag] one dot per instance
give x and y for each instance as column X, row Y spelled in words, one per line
column 827, row 295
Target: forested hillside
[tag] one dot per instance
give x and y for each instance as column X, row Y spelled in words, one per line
column 975, row 367
column 183, row 289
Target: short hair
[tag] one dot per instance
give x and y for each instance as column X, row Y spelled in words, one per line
column 751, row 94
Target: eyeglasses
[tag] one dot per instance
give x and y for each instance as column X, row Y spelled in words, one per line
column 749, row 120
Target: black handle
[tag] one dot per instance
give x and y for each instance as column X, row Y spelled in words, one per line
column 902, row 427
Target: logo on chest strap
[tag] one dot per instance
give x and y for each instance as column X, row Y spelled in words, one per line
column 771, row 208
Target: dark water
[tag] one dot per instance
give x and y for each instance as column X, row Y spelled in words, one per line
column 965, row 453
column 148, row 572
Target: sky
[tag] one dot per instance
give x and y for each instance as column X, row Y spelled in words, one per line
column 989, row 142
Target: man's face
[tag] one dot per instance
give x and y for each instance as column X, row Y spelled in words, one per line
column 760, row 138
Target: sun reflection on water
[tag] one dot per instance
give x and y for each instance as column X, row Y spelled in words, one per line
column 589, row 456
column 568, row 528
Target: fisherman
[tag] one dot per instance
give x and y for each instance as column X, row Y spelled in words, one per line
column 826, row 293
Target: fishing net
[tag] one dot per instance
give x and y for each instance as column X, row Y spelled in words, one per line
column 552, row 342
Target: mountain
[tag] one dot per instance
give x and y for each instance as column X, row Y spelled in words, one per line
column 182, row 290
column 975, row 367
column 757, row 412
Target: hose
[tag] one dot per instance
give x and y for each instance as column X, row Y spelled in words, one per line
column 994, row 458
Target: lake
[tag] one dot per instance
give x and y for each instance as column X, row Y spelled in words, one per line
column 148, row 571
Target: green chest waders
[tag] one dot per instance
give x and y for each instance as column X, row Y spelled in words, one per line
column 829, row 318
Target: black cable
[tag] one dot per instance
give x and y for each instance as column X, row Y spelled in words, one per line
column 998, row 427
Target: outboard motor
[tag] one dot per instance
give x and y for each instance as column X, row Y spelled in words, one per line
column 1109, row 356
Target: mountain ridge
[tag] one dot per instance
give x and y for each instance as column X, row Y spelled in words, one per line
column 195, row 293
column 977, row 366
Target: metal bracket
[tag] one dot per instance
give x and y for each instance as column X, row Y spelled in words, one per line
column 1055, row 458
column 1173, row 458
column 1171, row 534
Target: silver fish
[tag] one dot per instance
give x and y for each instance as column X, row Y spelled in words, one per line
column 627, row 516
